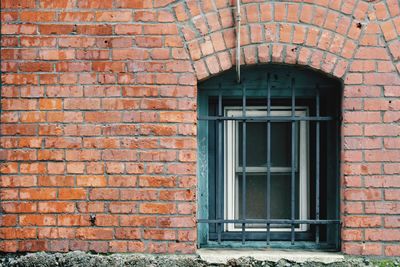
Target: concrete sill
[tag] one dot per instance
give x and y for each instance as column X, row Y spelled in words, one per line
column 212, row 255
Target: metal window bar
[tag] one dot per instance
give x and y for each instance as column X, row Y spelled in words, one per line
column 220, row 221
column 271, row 221
column 293, row 181
column 220, row 204
column 268, row 198
column 337, row 153
column 317, row 163
column 244, row 181
column 267, row 118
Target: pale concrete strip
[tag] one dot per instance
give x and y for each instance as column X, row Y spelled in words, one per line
column 223, row 255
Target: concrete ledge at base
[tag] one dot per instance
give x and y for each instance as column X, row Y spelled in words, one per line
column 272, row 255
column 83, row 259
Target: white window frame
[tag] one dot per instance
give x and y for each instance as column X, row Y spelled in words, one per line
column 231, row 164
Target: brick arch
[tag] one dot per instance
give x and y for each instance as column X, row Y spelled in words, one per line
column 320, row 35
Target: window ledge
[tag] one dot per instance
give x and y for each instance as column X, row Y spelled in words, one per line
column 223, row 255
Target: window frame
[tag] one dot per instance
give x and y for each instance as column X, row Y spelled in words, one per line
column 275, row 82
column 231, row 163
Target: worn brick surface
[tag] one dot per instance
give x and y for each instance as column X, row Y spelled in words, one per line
column 98, row 118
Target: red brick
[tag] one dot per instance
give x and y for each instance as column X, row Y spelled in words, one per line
column 56, row 207
column 156, row 181
column 82, row 155
column 23, row 233
column 103, row 194
column 362, row 221
column 56, row 180
column 382, row 234
column 186, row 194
column 105, row 142
column 9, row 194
column 91, row 4
column 135, row 220
column 382, row 155
column 381, row 130
column 8, row 220
column 57, row 155
column 16, row 104
column 30, row 16
column 362, row 117
column 123, row 207
column 128, row 233
column 71, row 193
column 32, row 245
column 382, row 208
column 88, row 233
column 73, row 220
column 351, row 235
column 132, row 194
column 49, row 54
column 392, row 250
column 38, row 194
column 362, row 249
column 157, row 247
column 91, row 180
column 17, row 181
column 381, row 78
column 106, row 220
column 54, row 233
column 159, row 234
column 111, row 115
column 157, row 208
column 33, row 168
column 174, row 222
column 113, row 168
column 26, row 207
column 382, row 181
column 392, row 194
column 37, row 220
column 362, row 194
column 20, row 155
column 36, row 67
column 86, row 207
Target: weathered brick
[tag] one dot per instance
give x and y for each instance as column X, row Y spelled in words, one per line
column 99, row 118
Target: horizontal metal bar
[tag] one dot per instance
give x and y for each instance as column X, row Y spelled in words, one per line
column 273, row 244
column 272, row 221
column 261, row 236
column 267, row 118
column 265, row 169
column 256, row 87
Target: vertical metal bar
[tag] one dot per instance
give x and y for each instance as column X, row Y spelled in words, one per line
column 337, row 125
column 244, row 154
column 220, row 204
column 317, row 163
column 293, row 181
column 268, row 198
column 238, row 19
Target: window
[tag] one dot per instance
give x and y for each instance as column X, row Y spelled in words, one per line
column 268, row 159
column 256, row 168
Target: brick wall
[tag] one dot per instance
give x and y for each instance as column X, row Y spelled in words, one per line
column 98, row 117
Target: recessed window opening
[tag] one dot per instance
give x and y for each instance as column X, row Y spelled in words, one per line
column 268, row 159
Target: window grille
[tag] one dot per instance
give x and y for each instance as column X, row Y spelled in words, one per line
column 268, row 227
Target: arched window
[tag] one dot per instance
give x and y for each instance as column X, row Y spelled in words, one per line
column 269, row 159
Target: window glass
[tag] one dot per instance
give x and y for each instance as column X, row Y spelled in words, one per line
column 256, row 196
column 256, row 144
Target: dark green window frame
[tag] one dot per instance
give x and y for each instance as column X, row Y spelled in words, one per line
column 271, row 86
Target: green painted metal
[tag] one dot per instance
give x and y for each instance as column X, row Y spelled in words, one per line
column 202, row 169
column 255, row 80
column 273, row 244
